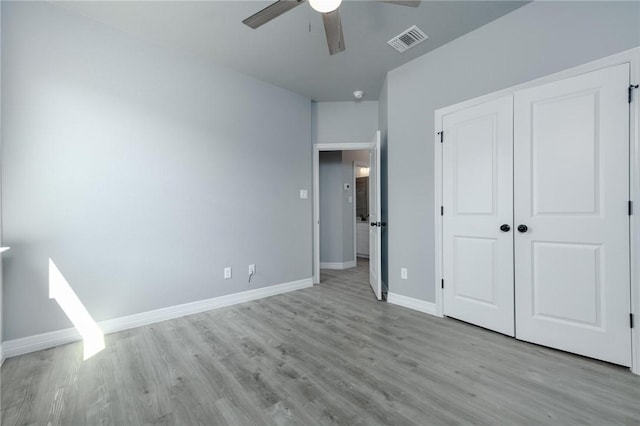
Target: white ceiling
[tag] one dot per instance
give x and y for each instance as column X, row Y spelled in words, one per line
column 285, row 52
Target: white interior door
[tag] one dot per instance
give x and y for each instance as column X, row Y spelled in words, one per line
column 571, row 157
column 375, row 228
column 478, row 215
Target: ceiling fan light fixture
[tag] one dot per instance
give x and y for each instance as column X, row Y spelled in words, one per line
column 325, row 6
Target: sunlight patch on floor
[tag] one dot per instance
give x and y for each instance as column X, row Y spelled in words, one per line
column 73, row 308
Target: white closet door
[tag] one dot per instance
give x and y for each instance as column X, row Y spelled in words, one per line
column 478, row 200
column 571, row 159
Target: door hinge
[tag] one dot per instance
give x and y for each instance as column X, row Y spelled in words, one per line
column 630, row 208
column 631, row 87
column 442, row 283
column 441, row 210
column 631, row 320
column 441, row 136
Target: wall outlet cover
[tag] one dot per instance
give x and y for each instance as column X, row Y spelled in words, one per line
column 227, row 272
column 304, row 194
column 403, row 273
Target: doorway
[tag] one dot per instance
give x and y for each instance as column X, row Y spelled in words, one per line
column 346, row 189
column 361, row 207
column 337, row 191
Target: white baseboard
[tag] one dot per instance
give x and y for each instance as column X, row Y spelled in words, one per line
column 60, row 337
column 338, row 265
column 412, row 303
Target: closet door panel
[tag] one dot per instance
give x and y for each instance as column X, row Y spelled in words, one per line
column 478, row 200
column 571, row 159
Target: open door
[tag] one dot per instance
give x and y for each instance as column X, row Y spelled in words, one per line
column 375, row 230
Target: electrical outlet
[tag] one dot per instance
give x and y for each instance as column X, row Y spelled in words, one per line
column 403, row 273
column 227, row 272
column 252, row 269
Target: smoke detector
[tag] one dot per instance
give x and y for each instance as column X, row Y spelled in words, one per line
column 358, row 94
column 407, row 39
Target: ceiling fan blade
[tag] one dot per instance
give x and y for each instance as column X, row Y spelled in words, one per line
column 271, row 12
column 404, row 3
column 333, row 31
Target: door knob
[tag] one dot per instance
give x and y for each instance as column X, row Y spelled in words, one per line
column 505, row 228
column 374, row 224
column 522, row 228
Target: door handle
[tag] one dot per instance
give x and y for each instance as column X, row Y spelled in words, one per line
column 374, row 224
column 505, row 228
column 522, row 228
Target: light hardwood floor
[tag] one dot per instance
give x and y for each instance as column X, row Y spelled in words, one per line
column 330, row 354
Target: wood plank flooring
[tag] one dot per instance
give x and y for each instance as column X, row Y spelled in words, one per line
column 330, row 354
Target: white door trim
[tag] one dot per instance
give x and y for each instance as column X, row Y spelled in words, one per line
column 353, row 205
column 317, row 147
column 631, row 57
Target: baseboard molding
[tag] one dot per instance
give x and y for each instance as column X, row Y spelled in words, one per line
column 60, row 337
column 338, row 265
column 412, row 303
column 364, row 256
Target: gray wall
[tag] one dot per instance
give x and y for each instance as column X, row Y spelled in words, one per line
column 331, row 209
column 141, row 172
column 348, row 215
column 535, row 40
column 344, row 121
column 359, row 155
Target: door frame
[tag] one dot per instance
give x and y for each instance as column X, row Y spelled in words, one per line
column 317, row 147
column 632, row 57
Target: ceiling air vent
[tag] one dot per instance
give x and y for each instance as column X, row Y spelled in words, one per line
column 408, row 39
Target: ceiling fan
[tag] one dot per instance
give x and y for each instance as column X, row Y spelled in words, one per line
column 330, row 17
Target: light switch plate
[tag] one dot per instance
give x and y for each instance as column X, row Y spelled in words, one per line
column 227, row 272
column 304, row 194
column 403, row 273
